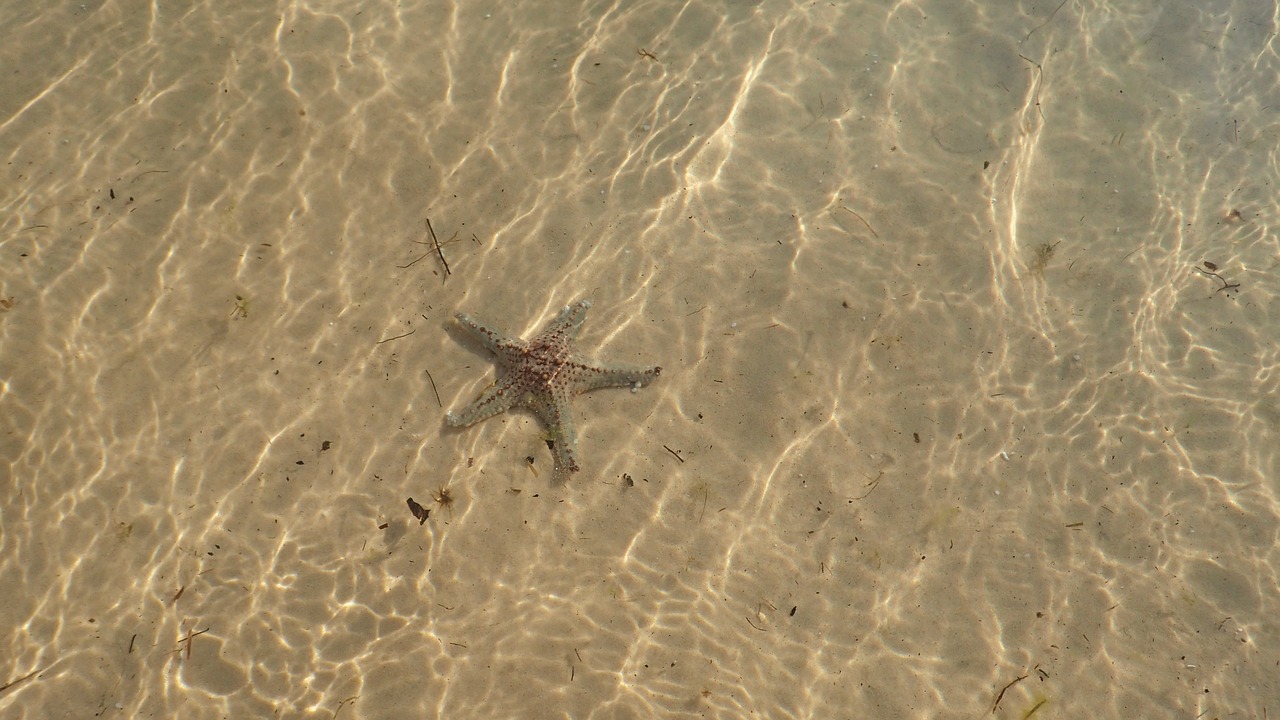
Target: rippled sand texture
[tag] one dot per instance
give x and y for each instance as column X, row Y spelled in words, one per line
column 967, row 318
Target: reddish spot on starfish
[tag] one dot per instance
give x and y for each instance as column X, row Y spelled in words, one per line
column 543, row 373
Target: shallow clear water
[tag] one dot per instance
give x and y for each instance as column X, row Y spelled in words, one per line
column 967, row 315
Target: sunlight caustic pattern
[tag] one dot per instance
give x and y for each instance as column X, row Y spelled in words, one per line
column 965, row 313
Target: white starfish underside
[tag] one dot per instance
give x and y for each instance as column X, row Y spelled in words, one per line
column 543, row 373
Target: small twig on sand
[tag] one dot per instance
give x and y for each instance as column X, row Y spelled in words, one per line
column 439, row 252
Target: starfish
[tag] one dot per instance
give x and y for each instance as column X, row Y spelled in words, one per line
column 543, row 373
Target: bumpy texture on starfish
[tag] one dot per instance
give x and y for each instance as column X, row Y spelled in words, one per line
column 543, row 373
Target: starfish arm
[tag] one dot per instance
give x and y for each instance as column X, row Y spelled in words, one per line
column 571, row 318
column 492, row 340
column 500, row 396
column 563, row 328
column 594, row 376
column 553, row 409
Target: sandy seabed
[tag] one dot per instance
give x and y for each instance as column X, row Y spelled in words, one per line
column 967, row 314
